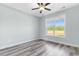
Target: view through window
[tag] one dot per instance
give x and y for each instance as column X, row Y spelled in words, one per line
column 56, row 26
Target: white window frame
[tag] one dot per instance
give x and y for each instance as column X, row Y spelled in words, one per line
column 49, row 19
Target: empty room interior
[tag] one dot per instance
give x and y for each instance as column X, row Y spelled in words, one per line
column 39, row 29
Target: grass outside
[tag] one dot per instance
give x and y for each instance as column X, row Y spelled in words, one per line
column 57, row 33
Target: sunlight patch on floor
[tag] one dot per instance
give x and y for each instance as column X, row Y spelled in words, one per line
column 55, row 51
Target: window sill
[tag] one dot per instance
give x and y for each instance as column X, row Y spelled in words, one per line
column 55, row 36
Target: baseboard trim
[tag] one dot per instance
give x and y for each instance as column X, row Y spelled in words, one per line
column 11, row 45
column 73, row 45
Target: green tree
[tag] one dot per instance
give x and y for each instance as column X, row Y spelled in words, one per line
column 60, row 28
column 50, row 28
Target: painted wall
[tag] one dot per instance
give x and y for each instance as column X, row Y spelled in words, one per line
column 16, row 27
column 71, row 27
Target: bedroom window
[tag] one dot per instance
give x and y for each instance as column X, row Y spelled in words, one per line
column 55, row 27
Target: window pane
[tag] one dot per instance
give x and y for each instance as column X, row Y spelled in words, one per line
column 59, row 27
column 51, row 28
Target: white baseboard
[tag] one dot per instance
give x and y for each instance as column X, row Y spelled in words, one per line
column 14, row 44
column 69, row 44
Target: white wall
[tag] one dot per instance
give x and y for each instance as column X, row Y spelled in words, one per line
column 71, row 27
column 16, row 27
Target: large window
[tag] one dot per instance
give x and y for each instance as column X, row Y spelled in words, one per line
column 55, row 26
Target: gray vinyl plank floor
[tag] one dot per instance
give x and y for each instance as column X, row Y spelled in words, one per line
column 40, row 48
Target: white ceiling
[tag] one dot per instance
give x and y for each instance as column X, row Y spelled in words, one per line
column 27, row 7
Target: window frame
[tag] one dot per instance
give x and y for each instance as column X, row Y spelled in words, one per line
column 50, row 19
